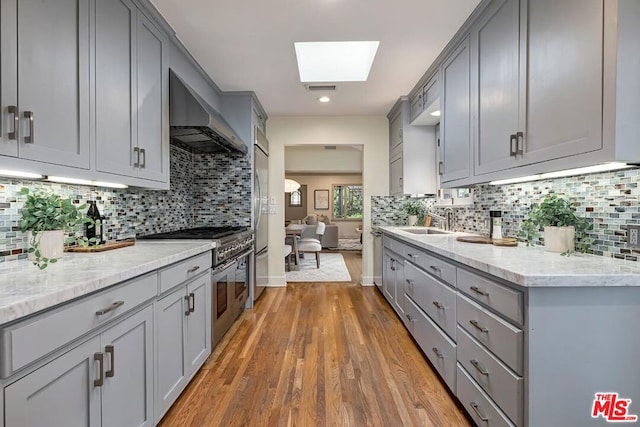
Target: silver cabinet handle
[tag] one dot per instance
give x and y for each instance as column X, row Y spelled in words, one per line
column 400, row 181
column 111, row 351
column 435, row 269
column 188, row 311
column 192, row 302
column 478, row 367
column 412, row 256
column 474, row 406
column 136, row 152
column 440, row 167
column 12, row 109
column 100, row 380
column 437, row 304
column 513, row 144
column 476, row 325
column 193, row 269
column 143, row 153
column 479, row 291
column 520, row 136
column 410, row 283
column 110, row 308
column 438, row 353
column 29, row 116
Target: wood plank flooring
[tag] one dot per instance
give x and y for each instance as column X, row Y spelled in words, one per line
column 317, row 354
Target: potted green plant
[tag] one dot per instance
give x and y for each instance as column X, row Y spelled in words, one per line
column 564, row 231
column 414, row 209
column 46, row 217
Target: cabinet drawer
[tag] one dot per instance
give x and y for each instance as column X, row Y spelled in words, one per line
column 26, row 342
column 506, row 301
column 440, row 350
column 483, row 411
column 502, row 385
column 184, row 270
column 432, row 265
column 435, row 298
column 500, row 337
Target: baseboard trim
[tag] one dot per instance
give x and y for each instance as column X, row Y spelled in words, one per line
column 366, row 281
column 277, row 282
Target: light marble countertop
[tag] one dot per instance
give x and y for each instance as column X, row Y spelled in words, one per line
column 526, row 266
column 24, row 289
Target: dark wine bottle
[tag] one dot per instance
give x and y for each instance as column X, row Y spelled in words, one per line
column 94, row 230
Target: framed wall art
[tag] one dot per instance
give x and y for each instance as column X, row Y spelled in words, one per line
column 321, row 199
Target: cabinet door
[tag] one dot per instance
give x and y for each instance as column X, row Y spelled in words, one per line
column 395, row 175
column 127, row 394
column 152, row 85
column 171, row 329
column 61, row 393
column 398, row 300
column 198, row 345
column 395, row 131
column 416, row 106
column 115, row 102
column 388, row 277
column 8, row 93
column 456, row 115
column 496, row 48
column 53, row 81
column 564, row 83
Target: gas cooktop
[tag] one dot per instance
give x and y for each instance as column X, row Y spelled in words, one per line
column 198, row 233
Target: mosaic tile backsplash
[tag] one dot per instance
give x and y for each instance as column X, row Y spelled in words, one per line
column 206, row 189
column 387, row 210
column 611, row 200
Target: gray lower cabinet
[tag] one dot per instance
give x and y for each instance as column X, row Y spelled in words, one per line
column 106, row 381
column 393, row 281
column 183, row 332
column 131, row 91
column 45, row 81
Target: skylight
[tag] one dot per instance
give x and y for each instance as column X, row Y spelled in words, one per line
column 335, row 61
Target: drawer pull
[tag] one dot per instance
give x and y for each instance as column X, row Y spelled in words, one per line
column 193, row 269
column 479, row 291
column 475, row 408
column 100, row 380
column 410, row 283
column 412, row 256
column 409, row 318
column 110, row 308
column 479, row 368
column 435, row 269
column 437, row 304
column 437, row 352
column 192, row 302
column 111, row 351
column 476, row 325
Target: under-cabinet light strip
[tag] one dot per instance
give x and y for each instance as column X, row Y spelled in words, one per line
column 605, row 167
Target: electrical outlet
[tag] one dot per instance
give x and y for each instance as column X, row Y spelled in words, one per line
column 273, row 200
column 272, row 210
column 633, row 236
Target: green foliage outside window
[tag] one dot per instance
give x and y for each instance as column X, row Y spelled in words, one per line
column 347, row 202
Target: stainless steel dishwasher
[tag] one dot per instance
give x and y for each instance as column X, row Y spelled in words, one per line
column 377, row 258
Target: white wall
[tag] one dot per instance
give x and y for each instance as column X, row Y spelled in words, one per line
column 346, row 229
column 315, row 158
column 370, row 131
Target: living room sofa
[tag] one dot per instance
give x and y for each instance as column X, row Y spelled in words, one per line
column 330, row 236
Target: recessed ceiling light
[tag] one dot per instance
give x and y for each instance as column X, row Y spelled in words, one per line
column 335, row 61
column 324, row 99
column 435, row 113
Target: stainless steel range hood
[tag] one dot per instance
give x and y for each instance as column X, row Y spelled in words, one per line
column 196, row 124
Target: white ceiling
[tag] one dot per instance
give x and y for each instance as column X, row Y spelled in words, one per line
column 248, row 45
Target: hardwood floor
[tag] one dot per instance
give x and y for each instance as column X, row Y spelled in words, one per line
column 317, row 354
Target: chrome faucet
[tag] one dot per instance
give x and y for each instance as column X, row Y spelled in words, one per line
column 447, row 221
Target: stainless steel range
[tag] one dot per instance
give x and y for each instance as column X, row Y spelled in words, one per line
column 232, row 257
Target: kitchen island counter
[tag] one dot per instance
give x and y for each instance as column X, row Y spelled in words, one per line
column 526, row 266
column 25, row 290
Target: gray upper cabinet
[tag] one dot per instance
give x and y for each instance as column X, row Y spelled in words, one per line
column 564, row 79
column 65, row 383
column 131, row 93
column 45, row 80
column 496, row 81
column 455, row 127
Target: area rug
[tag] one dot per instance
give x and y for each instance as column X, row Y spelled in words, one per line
column 332, row 269
column 349, row 245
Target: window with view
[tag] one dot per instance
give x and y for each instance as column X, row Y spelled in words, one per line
column 347, row 202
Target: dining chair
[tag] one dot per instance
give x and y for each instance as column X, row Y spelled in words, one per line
column 309, row 244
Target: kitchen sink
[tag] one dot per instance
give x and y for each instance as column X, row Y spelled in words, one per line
column 425, row 231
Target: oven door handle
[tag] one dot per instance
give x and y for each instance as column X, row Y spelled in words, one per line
column 223, row 267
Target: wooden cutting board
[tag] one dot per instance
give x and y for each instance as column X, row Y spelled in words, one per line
column 101, row 248
column 507, row 241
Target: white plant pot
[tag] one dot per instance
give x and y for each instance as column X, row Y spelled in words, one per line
column 50, row 244
column 413, row 219
column 559, row 239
